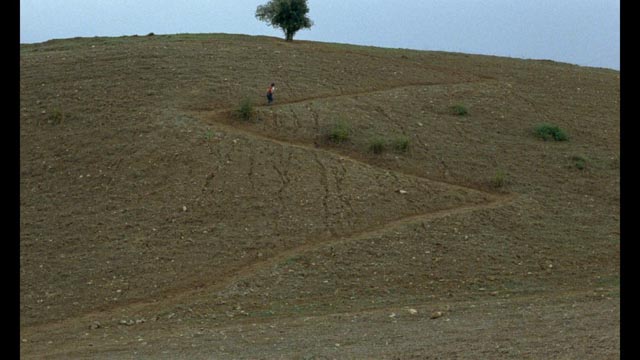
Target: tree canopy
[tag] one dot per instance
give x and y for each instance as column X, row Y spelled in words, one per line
column 288, row 15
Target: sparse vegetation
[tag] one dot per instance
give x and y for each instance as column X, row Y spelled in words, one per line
column 339, row 132
column 56, row 116
column 400, row 143
column 377, row 145
column 499, row 179
column 246, row 110
column 459, row 110
column 579, row 162
column 550, row 132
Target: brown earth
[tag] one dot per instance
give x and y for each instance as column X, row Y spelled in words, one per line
column 157, row 224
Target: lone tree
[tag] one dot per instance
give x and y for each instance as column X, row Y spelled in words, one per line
column 288, row 15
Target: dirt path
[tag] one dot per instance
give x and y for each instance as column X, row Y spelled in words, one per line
column 221, row 118
column 373, row 332
column 348, row 94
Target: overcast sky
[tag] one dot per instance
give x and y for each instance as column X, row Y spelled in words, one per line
column 582, row 32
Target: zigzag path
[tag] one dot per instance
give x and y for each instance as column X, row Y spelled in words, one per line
column 221, row 119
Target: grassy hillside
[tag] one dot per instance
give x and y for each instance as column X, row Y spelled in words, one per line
column 155, row 222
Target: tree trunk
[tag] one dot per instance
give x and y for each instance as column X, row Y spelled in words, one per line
column 288, row 35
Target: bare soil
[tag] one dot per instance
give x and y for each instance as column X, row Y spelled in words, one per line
column 156, row 223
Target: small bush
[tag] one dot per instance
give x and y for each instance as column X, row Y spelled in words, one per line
column 400, row 143
column 245, row 110
column 550, row 132
column 377, row 145
column 56, row 116
column 339, row 132
column 579, row 162
column 459, row 110
column 499, row 179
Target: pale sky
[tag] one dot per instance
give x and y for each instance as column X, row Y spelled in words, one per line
column 582, row 32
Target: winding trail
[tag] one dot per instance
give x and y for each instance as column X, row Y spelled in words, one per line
column 371, row 91
column 176, row 296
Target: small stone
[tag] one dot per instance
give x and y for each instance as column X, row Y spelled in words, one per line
column 184, row 208
column 412, row 311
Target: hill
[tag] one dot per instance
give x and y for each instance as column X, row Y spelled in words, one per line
column 156, row 223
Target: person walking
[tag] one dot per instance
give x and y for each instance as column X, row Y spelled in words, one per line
column 270, row 91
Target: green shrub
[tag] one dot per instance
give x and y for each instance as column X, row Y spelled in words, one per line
column 400, row 143
column 579, row 162
column 245, row 110
column 499, row 179
column 56, row 116
column 459, row 110
column 339, row 132
column 550, row 132
column 377, row 145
